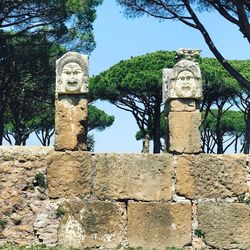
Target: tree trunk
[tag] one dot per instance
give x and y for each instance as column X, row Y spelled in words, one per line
column 2, row 109
column 18, row 138
column 1, row 127
column 157, row 126
column 247, row 136
column 218, row 129
column 219, row 144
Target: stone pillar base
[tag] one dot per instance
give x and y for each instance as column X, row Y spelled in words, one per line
column 184, row 134
column 71, row 113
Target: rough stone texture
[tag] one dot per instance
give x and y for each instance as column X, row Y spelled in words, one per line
column 29, row 217
column 46, row 224
column 134, row 176
column 92, row 224
column 226, row 226
column 71, row 122
column 21, row 200
column 156, row 225
column 180, row 105
column 184, row 134
column 188, row 54
column 69, row 174
column 211, row 176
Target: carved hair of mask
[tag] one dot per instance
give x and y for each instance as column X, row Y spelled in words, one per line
column 72, row 74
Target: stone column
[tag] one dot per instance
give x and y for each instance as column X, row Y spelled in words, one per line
column 71, row 102
column 182, row 91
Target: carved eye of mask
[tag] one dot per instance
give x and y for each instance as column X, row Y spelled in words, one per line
column 65, row 71
column 78, row 71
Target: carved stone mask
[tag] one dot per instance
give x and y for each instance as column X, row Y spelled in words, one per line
column 72, row 74
column 72, row 77
column 183, row 81
column 185, row 85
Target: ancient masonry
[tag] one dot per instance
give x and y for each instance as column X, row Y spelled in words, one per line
column 68, row 197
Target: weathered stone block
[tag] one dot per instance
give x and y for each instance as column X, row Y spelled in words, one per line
column 69, row 174
column 180, row 105
column 155, row 225
column 71, row 122
column 19, row 192
column 184, row 134
column 130, row 176
column 226, row 226
column 211, row 176
column 92, row 224
column 46, row 224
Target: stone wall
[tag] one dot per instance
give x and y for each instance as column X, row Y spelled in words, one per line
column 120, row 200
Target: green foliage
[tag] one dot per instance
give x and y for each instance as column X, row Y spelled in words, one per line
column 135, row 85
column 30, row 34
column 139, row 75
column 67, row 22
column 163, row 129
column 90, row 143
column 2, row 224
column 199, row 233
column 59, row 213
column 98, row 119
column 217, row 82
column 244, row 198
column 30, row 94
column 217, row 125
column 186, row 13
column 29, row 104
column 232, row 122
column 40, row 180
column 33, row 247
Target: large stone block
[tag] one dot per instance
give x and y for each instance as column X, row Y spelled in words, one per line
column 92, row 224
column 211, row 176
column 156, row 225
column 184, row 134
column 180, row 105
column 69, row 174
column 130, row 176
column 71, row 122
column 226, row 226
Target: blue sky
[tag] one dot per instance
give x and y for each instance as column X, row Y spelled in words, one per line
column 119, row 38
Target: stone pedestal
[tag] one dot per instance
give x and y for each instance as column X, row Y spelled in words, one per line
column 184, row 120
column 71, row 122
column 182, row 91
column 71, row 106
column 184, row 134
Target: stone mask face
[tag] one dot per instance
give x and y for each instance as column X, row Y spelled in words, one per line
column 185, row 85
column 72, row 77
